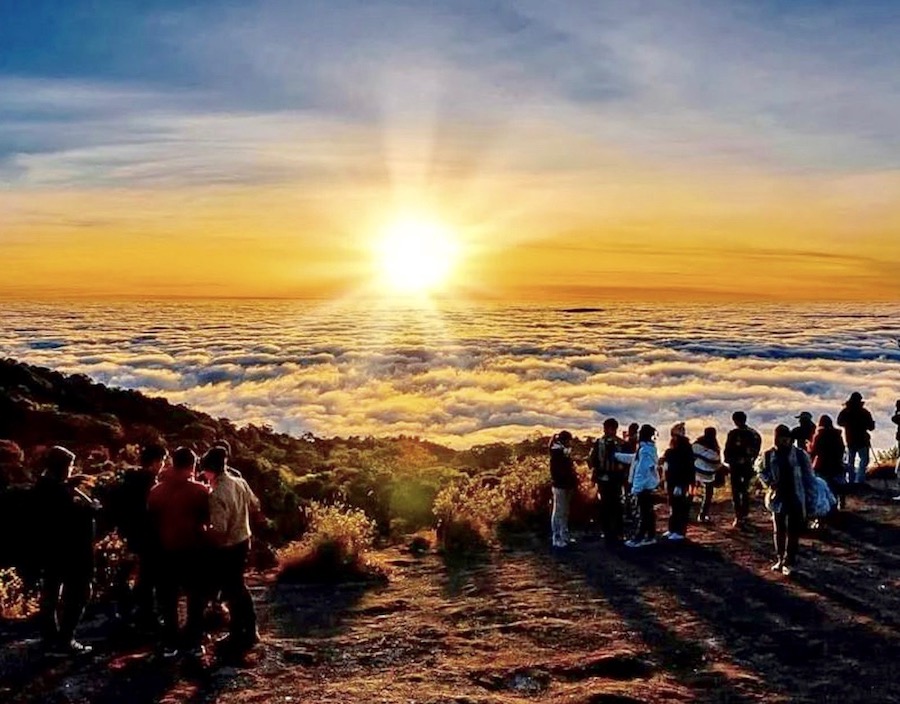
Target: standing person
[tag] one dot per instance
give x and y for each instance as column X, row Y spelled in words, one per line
column 644, row 481
column 857, row 423
column 132, row 519
column 788, row 478
column 609, row 475
column 708, row 463
column 827, row 454
column 742, row 447
column 65, row 553
column 232, row 503
column 564, row 481
column 680, row 478
column 179, row 513
column 803, row 433
column 895, row 419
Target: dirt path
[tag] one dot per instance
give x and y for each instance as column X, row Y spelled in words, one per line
column 705, row 621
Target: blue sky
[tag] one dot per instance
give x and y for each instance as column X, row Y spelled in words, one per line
column 563, row 113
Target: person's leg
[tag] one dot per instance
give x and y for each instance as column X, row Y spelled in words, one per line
column 51, row 583
column 648, row 516
column 556, row 518
column 196, row 572
column 795, row 525
column 167, row 594
column 565, row 503
column 739, row 489
column 76, row 593
column 851, row 465
column 237, row 596
column 603, row 493
column 684, row 514
column 779, row 522
column 706, row 505
column 864, row 456
column 617, row 514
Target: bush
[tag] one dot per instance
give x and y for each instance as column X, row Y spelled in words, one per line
column 335, row 548
column 16, row 599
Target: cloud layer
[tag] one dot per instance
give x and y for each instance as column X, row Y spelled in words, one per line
column 470, row 376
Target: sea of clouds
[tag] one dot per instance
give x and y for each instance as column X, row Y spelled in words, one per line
column 470, row 375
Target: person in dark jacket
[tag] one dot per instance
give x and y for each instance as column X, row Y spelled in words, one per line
column 895, row 419
column 742, row 447
column 827, row 454
column 857, row 423
column 565, row 482
column 803, row 432
column 65, row 552
column 788, row 478
column 680, row 478
column 609, row 475
column 132, row 520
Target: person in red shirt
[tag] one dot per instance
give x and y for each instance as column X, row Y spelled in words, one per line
column 179, row 514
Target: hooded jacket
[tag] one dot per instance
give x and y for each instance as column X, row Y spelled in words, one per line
column 643, row 474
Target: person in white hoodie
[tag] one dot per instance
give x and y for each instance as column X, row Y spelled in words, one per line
column 644, row 480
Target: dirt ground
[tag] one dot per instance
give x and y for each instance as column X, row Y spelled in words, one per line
column 702, row 621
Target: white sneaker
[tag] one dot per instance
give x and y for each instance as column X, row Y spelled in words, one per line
column 676, row 536
column 896, row 498
column 666, row 534
column 633, row 544
column 786, row 570
column 778, row 566
column 647, row 541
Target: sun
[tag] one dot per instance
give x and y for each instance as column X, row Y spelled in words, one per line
column 416, row 256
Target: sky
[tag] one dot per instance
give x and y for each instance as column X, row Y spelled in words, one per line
column 582, row 150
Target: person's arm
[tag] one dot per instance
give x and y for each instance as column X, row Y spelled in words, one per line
column 870, row 421
column 765, row 474
column 218, row 519
column 895, row 419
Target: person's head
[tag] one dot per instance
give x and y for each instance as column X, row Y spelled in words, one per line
column 678, row 430
column 646, row 433
column 634, row 430
column 783, row 438
column 214, row 462
column 805, row 418
column 153, row 456
column 184, row 462
column 855, row 399
column 610, row 427
column 739, row 418
column 898, row 404
column 710, row 437
column 58, row 463
column 225, row 445
column 826, row 422
column 564, row 437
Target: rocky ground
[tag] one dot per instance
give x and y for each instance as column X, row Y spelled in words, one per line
column 703, row 621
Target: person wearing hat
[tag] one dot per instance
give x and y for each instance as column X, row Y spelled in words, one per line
column 789, row 481
column 680, row 477
column 66, row 528
column 565, row 482
column 804, row 430
column 857, row 422
column 742, row 447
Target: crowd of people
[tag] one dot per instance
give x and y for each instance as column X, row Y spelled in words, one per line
column 186, row 520
column 807, row 473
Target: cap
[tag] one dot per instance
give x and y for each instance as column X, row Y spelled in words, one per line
column 805, row 415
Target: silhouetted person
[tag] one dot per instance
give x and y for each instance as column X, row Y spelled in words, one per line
column 742, row 447
column 857, row 423
column 895, row 419
column 644, row 476
column 232, row 503
column 802, row 433
column 788, row 478
column 565, row 482
column 133, row 522
column 827, row 454
column 65, row 547
column 708, row 463
column 632, row 439
column 609, row 475
column 179, row 512
column 680, row 478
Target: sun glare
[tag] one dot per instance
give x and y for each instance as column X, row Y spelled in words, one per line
column 416, row 256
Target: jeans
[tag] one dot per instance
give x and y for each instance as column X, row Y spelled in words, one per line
column 740, row 489
column 789, row 524
column 647, row 521
column 612, row 510
column 680, row 510
column 857, row 474
column 706, row 505
column 182, row 571
column 231, row 562
column 559, row 520
column 71, row 585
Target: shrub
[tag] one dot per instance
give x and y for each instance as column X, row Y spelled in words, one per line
column 16, row 599
column 334, row 549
